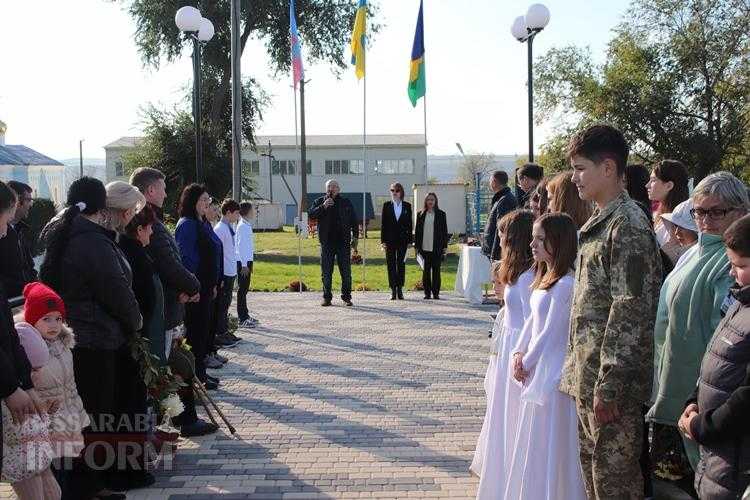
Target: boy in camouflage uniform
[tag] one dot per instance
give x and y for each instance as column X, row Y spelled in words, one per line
column 609, row 365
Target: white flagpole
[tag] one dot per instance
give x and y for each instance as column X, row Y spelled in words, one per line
column 299, row 220
column 364, row 170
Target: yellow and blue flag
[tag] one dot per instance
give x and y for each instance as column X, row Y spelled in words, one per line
column 417, row 78
column 359, row 34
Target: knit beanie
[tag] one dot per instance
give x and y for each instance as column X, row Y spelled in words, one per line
column 40, row 300
column 90, row 191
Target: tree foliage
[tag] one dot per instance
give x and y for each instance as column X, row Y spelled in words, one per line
column 324, row 25
column 676, row 81
column 475, row 164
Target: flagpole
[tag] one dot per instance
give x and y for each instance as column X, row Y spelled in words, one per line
column 299, row 216
column 364, row 183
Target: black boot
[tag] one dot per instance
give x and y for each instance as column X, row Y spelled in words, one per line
column 393, row 294
column 400, row 293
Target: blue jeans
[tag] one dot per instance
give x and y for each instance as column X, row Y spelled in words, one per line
column 341, row 253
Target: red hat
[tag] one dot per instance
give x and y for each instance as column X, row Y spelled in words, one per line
column 40, row 300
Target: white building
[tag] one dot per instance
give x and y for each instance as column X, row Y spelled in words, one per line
column 390, row 158
column 114, row 152
column 21, row 163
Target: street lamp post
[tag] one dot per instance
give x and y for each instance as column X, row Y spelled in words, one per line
column 524, row 29
column 189, row 20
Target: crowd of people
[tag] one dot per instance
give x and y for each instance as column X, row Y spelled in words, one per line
column 625, row 295
column 113, row 274
column 626, row 305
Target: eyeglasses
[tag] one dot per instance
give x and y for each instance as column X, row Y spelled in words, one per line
column 711, row 213
column 395, row 190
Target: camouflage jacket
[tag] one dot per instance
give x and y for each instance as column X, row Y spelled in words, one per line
column 618, row 276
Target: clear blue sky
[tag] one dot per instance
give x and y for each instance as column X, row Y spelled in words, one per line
column 71, row 71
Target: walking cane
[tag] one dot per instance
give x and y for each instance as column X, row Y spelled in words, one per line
column 204, row 393
column 203, row 402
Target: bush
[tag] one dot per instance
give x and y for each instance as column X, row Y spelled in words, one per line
column 40, row 213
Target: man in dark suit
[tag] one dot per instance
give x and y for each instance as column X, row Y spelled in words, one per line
column 395, row 236
column 338, row 231
column 16, row 261
column 503, row 202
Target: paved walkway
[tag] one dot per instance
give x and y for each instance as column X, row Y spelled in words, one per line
column 382, row 400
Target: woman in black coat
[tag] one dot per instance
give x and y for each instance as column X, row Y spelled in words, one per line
column 430, row 242
column 395, row 237
column 86, row 267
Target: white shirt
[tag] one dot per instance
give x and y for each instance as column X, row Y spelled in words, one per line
column 224, row 232
column 397, row 207
column 244, row 242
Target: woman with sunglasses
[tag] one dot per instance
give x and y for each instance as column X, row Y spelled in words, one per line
column 693, row 300
column 395, row 237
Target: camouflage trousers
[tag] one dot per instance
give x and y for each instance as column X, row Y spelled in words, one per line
column 610, row 453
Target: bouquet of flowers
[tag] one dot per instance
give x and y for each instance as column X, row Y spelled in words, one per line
column 161, row 384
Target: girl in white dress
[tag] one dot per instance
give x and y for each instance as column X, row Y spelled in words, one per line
column 545, row 463
column 515, row 273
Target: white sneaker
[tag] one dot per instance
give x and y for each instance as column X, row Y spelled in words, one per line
column 248, row 324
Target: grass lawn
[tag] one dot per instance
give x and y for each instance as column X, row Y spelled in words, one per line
column 276, row 264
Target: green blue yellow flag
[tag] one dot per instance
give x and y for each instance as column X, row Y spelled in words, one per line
column 417, row 79
column 358, row 39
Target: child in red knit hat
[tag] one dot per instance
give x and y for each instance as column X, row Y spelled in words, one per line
column 43, row 320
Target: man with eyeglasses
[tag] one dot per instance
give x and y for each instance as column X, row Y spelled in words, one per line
column 690, row 304
column 16, row 258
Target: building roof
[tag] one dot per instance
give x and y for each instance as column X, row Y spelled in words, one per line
column 342, row 140
column 125, row 142
column 320, row 141
column 24, row 156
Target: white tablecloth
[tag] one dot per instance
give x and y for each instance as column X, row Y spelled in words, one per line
column 473, row 272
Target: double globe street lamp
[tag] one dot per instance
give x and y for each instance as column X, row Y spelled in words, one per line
column 190, row 21
column 524, row 29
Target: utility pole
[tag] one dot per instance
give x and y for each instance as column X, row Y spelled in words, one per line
column 270, row 171
column 236, row 103
column 80, row 158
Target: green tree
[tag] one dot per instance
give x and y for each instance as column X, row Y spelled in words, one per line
column 676, row 81
column 325, row 28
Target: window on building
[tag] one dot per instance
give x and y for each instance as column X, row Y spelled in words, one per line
column 406, row 167
column 308, row 167
column 355, row 166
column 119, row 169
column 337, row 167
column 392, row 167
column 251, row 166
column 286, row 167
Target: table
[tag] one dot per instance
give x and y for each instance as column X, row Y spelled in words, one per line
column 473, row 272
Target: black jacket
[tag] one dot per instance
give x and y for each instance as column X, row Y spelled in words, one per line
column 14, row 271
column 723, row 399
column 143, row 271
column 26, row 242
column 97, row 288
column 175, row 278
column 503, row 202
column 15, row 369
column 396, row 232
column 439, row 232
column 339, row 220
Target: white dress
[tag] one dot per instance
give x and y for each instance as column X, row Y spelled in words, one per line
column 545, row 463
column 493, row 450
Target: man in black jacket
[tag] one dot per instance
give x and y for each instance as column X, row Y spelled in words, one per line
column 180, row 285
column 16, row 261
column 338, row 231
column 503, row 202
